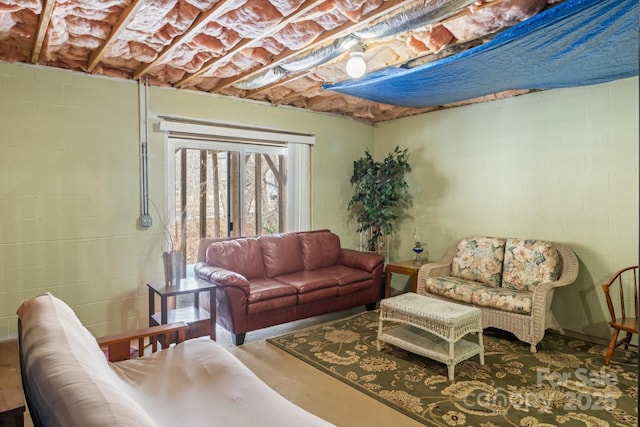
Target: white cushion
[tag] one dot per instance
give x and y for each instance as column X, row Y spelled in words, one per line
column 70, row 379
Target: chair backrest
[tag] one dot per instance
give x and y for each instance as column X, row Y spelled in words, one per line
column 618, row 301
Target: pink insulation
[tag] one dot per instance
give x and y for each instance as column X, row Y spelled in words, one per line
column 18, row 20
column 203, row 5
column 352, row 9
column 278, row 93
column 331, row 20
column 272, row 46
column 228, row 37
column 433, row 39
column 299, row 34
column 489, row 19
column 286, row 7
column 252, row 19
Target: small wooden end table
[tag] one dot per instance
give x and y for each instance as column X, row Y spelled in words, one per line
column 402, row 267
column 200, row 322
column 432, row 328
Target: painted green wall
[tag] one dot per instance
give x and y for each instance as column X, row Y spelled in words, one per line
column 560, row 165
column 70, row 187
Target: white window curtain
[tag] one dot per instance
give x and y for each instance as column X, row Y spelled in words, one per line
column 298, row 147
column 298, row 187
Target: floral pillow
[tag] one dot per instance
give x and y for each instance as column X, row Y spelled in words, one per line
column 479, row 259
column 527, row 263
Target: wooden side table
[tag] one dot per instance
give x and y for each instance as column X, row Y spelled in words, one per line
column 12, row 404
column 402, row 267
column 200, row 322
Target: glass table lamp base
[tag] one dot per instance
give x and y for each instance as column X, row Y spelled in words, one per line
column 418, row 258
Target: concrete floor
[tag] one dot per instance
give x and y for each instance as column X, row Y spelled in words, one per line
column 307, row 386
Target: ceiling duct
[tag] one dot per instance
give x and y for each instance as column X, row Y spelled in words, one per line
column 268, row 76
column 416, row 16
column 307, row 62
column 413, row 17
column 322, row 55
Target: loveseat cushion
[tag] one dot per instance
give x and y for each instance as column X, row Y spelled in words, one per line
column 280, row 254
column 243, row 256
column 527, row 263
column 452, row 287
column 319, row 249
column 503, row 299
column 479, row 259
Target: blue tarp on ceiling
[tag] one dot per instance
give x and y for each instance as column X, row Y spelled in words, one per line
column 576, row 43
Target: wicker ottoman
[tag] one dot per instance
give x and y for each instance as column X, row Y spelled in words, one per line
column 432, row 328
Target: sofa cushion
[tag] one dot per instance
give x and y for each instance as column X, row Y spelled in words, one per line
column 527, row 263
column 268, row 294
column 308, row 281
column 199, row 383
column 345, row 275
column 479, row 259
column 264, row 288
column 503, row 299
column 451, row 287
column 280, row 254
column 349, row 279
column 70, row 378
column 242, row 256
column 319, row 249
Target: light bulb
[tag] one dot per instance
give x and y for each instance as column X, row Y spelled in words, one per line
column 356, row 66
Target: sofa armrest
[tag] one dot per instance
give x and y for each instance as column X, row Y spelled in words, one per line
column 221, row 277
column 367, row 261
column 119, row 344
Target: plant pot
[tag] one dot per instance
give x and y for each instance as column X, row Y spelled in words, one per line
column 173, row 267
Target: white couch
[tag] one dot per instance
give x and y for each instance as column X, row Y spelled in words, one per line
column 511, row 280
column 69, row 382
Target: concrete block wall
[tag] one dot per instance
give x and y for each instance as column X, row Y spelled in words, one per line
column 560, row 165
column 70, row 186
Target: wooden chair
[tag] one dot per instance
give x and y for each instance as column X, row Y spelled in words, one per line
column 620, row 321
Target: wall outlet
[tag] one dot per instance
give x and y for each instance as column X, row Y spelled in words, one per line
column 146, row 221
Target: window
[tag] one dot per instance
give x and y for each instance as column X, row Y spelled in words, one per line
column 220, row 186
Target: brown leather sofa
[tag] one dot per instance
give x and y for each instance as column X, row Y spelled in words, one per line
column 273, row 279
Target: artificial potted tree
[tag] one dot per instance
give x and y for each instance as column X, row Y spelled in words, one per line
column 380, row 190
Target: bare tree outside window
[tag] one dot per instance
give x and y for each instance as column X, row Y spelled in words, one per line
column 208, row 198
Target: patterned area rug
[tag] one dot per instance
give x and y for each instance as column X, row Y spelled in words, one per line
column 565, row 383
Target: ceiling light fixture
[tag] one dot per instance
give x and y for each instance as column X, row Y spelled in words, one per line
column 356, row 66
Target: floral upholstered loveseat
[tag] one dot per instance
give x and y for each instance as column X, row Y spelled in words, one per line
column 511, row 280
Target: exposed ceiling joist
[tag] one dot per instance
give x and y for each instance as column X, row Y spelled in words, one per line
column 122, row 22
column 304, row 8
column 218, row 9
column 43, row 24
